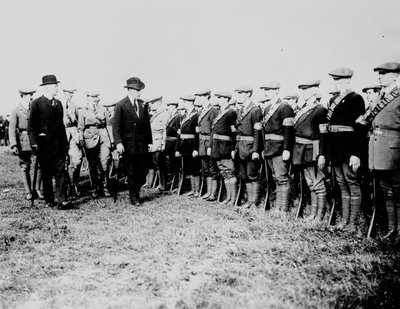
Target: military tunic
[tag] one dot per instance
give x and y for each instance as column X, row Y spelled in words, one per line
column 71, row 122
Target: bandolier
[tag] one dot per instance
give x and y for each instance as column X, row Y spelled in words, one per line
column 309, row 149
column 222, row 144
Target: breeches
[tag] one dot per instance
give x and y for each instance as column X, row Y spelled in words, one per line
column 226, row 168
column 315, row 179
column 191, row 165
column 75, row 154
column 279, row 170
column 209, row 167
column 249, row 170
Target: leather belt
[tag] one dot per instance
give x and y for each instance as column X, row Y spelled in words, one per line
column 382, row 132
column 222, row 137
column 273, row 137
column 204, row 137
column 302, row 140
column 245, row 138
column 70, row 125
column 339, row 128
column 188, row 136
column 23, row 131
column 98, row 126
column 171, row 138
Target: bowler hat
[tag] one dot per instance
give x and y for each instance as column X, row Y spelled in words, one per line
column 134, row 83
column 49, row 80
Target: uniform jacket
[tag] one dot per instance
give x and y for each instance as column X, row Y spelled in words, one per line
column 158, row 123
column 249, row 124
column 92, row 126
column 206, row 117
column 130, row 130
column 171, row 133
column 223, row 124
column 188, row 126
column 306, row 125
column 278, row 119
column 18, row 129
column 384, row 150
column 342, row 145
column 71, row 121
column 46, row 127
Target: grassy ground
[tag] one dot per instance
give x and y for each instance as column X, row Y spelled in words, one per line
column 178, row 252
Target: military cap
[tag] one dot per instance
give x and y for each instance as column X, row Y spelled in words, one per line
column 70, row 90
column 189, row 97
column 309, row 84
column 388, row 67
column 26, row 90
column 375, row 87
column 271, row 85
column 134, row 83
column 223, row 94
column 92, row 93
column 172, row 103
column 244, row 89
column 291, row 95
column 203, row 92
column 341, row 73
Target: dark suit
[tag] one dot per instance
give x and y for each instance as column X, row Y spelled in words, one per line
column 134, row 133
column 46, row 130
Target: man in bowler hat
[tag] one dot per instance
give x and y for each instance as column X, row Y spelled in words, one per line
column 132, row 135
column 48, row 139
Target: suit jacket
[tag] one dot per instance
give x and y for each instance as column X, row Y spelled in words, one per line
column 384, row 149
column 130, row 130
column 46, row 126
column 18, row 133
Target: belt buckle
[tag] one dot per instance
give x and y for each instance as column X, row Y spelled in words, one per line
column 378, row 132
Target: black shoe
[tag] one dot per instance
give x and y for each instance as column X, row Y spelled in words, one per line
column 65, row 205
column 50, row 205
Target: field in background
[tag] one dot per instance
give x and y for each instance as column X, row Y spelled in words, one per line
column 178, row 252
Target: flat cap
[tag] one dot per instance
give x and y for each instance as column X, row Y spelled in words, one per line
column 341, row 73
column 92, row 93
column 70, row 90
column 334, row 91
column 244, row 89
column 223, row 94
column 172, row 103
column 291, row 95
column 271, row 85
column 202, row 92
column 26, row 90
column 181, row 106
column 309, row 84
column 188, row 97
column 375, row 86
column 388, row 67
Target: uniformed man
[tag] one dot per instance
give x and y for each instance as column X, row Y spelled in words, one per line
column 279, row 138
column 188, row 145
column 170, row 138
column 249, row 144
column 94, row 136
column 48, row 139
column 207, row 113
column 292, row 99
column 309, row 150
column 74, row 152
column 158, row 122
column 344, row 144
column 19, row 140
column 222, row 144
column 384, row 143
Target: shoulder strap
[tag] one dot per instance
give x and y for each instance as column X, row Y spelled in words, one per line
column 336, row 102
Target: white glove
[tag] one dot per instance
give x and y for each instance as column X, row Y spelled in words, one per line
column 209, row 151
column 255, row 156
column 177, row 154
column 321, row 162
column 195, row 153
column 354, row 163
column 150, row 146
column 285, row 155
column 120, row 148
column 233, row 153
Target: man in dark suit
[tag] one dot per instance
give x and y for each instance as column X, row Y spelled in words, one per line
column 132, row 135
column 48, row 139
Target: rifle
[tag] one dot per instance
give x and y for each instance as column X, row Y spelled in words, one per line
column 239, row 192
column 266, row 200
column 35, row 172
column 300, row 206
column 372, row 223
column 182, row 177
column 332, row 214
column 220, row 188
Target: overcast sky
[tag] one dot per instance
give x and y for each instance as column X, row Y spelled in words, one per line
column 179, row 46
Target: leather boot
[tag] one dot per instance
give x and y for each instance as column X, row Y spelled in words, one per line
column 228, row 192
column 249, row 190
column 284, row 197
column 150, row 179
column 161, row 181
column 197, row 182
column 75, row 180
column 106, row 192
column 314, row 206
column 345, row 209
column 208, row 189
column 234, row 191
column 26, row 179
column 256, row 193
column 192, row 185
column 321, row 202
column 214, row 191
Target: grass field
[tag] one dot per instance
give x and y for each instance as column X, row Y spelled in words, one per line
column 178, row 252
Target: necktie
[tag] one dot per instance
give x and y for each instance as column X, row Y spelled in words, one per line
column 135, row 107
